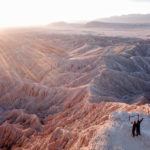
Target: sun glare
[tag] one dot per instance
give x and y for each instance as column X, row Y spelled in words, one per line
column 41, row 12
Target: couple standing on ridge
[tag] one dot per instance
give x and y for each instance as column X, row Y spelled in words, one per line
column 136, row 127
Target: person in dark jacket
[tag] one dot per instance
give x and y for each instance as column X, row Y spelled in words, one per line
column 134, row 128
column 138, row 127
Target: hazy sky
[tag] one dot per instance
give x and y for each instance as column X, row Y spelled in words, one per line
column 32, row 12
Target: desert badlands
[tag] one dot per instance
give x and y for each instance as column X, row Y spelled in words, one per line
column 67, row 89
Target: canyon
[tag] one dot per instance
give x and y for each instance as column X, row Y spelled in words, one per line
column 67, row 90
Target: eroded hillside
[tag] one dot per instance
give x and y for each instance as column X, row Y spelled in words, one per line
column 57, row 90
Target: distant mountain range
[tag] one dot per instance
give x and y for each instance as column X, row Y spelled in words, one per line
column 99, row 24
column 131, row 18
column 64, row 24
column 124, row 21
